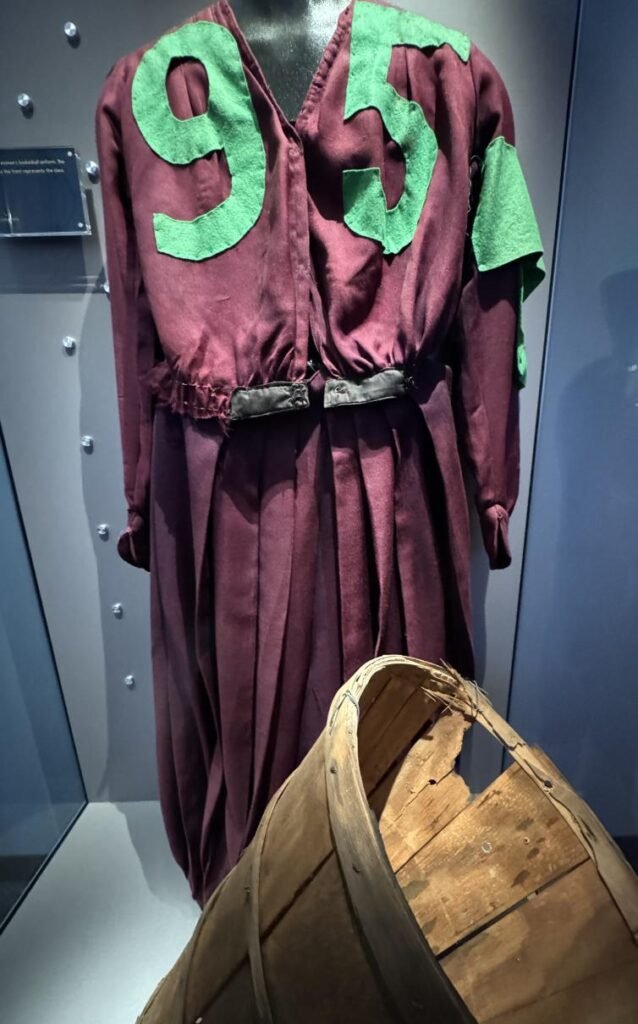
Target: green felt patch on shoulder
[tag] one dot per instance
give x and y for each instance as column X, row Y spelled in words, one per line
column 375, row 31
column 505, row 229
column 229, row 123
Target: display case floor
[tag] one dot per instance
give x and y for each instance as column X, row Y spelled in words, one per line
column 103, row 923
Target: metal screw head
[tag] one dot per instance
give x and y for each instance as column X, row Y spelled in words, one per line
column 103, row 531
column 92, row 169
column 129, row 681
column 25, row 101
column 69, row 344
column 87, row 443
column 117, row 609
column 70, row 30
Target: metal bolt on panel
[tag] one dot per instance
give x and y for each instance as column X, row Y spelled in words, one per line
column 92, row 169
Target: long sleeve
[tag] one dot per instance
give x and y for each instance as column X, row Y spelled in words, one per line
column 502, row 265
column 134, row 332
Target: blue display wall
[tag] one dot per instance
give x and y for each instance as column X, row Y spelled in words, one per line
column 575, row 679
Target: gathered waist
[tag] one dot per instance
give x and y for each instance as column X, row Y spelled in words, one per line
column 202, row 400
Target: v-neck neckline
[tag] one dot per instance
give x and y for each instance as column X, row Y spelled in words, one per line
column 313, row 92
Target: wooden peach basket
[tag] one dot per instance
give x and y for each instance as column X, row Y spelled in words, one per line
column 378, row 889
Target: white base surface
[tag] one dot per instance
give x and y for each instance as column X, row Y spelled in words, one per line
column 104, row 922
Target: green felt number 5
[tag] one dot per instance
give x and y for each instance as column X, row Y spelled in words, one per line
column 229, row 124
column 375, row 30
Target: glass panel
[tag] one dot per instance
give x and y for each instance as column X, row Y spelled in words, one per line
column 575, row 687
column 40, row 786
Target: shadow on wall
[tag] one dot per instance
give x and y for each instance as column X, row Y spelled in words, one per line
column 593, row 583
column 164, row 878
column 480, row 572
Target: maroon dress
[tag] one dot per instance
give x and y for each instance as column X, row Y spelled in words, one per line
column 313, row 325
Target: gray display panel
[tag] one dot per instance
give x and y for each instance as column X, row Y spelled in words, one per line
column 41, row 193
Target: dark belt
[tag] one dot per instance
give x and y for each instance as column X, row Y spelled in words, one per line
column 267, row 399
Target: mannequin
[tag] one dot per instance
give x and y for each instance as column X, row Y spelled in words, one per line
column 288, row 38
column 298, row 519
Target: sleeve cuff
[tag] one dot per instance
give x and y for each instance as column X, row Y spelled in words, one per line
column 133, row 545
column 495, row 527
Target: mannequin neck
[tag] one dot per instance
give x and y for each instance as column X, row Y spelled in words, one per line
column 288, row 38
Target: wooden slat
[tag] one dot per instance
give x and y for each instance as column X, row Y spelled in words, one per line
column 397, row 716
column 301, row 842
column 614, row 869
column 552, row 959
column 379, row 699
column 428, row 760
column 233, row 1003
column 366, row 686
column 301, row 839
column 504, row 846
column 423, row 793
column 616, row 872
column 372, row 679
column 427, row 815
column 408, row 974
column 608, row 998
column 305, row 954
column 380, row 795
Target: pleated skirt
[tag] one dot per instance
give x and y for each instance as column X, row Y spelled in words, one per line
column 284, row 554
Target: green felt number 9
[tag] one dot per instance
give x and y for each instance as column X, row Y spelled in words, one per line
column 228, row 124
column 375, row 30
